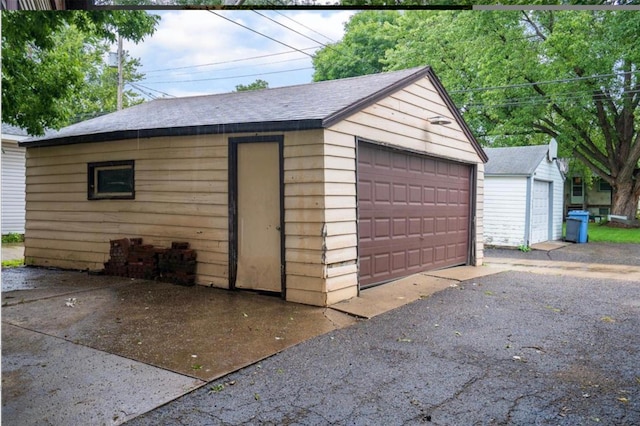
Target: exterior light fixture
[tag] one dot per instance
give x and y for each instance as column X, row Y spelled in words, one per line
column 439, row 120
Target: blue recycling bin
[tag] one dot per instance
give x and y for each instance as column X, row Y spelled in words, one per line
column 583, row 217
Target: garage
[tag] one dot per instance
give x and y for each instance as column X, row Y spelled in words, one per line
column 523, row 195
column 309, row 192
column 413, row 213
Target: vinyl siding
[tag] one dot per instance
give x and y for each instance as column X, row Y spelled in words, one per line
column 306, row 204
column 181, row 195
column 13, row 188
column 505, row 205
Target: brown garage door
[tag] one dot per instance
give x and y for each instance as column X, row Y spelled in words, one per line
column 413, row 213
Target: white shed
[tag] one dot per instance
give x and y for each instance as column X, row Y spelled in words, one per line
column 13, row 180
column 523, row 195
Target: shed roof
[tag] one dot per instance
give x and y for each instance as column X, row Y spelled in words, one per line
column 515, row 160
column 307, row 106
column 9, row 129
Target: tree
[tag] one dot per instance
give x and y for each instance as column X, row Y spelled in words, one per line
column 361, row 50
column 256, row 85
column 522, row 77
column 43, row 75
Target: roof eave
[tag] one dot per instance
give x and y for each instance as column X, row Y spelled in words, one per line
column 268, row 126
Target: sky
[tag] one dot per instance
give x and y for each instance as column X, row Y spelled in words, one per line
column 196, row 52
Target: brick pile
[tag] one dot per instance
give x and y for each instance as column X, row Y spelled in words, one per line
column 118, row 255
column 178, row 264
column 128, row 257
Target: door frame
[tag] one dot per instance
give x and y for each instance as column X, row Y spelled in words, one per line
column 233, row 204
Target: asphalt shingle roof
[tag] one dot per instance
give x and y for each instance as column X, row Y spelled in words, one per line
column 8, row 129
column 308, row 102
column 516, row 160
column 306, row 106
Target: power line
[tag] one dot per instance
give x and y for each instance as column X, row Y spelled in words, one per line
column 138, row 85
column 289, row 28
column 259, row 33
column 228, row 78
column 566, row 80
column 144, row 92
column 304, row 26
column 231, row 60
column 533, row 102
column 239, row 67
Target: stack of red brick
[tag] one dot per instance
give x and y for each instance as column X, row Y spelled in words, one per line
column 178, row 264
column 128, row 257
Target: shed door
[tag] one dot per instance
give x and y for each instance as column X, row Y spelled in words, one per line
column 258, row 217
column 413, row 213
column 540, row 215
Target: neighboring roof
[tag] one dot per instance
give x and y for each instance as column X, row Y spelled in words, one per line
column 515, row 160
column 8, row 129
column 306, row 106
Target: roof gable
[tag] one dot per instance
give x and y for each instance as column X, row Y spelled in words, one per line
column 516, row 160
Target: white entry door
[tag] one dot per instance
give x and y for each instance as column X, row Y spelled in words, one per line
column 258, row 218
column 540, row 216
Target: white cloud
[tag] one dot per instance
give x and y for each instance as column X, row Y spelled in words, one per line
column 184, row 39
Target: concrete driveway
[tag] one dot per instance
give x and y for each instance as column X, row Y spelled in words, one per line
column 80, row 349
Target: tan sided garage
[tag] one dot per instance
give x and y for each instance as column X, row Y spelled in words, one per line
column 308, row 192
column 413, row 213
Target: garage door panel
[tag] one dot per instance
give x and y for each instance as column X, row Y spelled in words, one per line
column 417, row 218
column 400, row 227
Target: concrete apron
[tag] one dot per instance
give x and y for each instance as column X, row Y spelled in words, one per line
column 80, row 349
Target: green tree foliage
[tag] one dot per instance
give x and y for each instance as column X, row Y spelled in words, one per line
column 362, row 49
column 48, row 59
column 521, row 77
column 256, row 85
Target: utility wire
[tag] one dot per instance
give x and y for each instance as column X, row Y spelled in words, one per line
column 228, row 78
column 237, row 67
column 533, row 102
column 259, row 33
column 566, row 80
column 144, row 92
column 138, row 85
column 230, row 61
column 304, row 26
column 289, row 28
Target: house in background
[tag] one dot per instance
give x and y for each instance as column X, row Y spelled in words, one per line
column 523, row 195
column 311, row 192
column 594, row 198
column 13, row 180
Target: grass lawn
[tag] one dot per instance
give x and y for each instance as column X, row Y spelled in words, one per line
column 603, row 234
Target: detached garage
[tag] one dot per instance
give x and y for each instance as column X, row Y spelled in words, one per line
column 523, row 196
column 310, row 192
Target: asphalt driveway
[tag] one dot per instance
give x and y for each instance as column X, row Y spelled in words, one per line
column 512, row 348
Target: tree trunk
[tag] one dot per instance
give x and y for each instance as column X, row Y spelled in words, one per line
column 624, row 199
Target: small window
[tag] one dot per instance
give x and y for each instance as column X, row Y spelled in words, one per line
column 603, row 186
column 111, row 180
column 576, row 188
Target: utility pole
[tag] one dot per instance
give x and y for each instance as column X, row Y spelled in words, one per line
column 120, row 76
